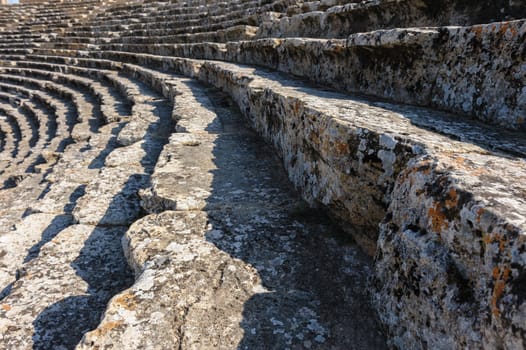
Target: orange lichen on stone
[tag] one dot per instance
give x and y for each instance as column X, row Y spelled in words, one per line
column 438, row 219
column 335, row 48
column 501, row 276
column 342, row 147
column 315, row 138
column 126, row 301
column 464, row 164
column 477, row 30
column 297, row 106
column 504, row 27
column 496, row 238
column 6, row 307
column 106, row 327
column 452, row 199
column 479, row 215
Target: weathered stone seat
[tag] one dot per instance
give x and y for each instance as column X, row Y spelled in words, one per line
column 227, row 255
column 45, row 99
column 222, row 75
column 158, row 18
column 25, row 136
column 42, row 133
column 425, row 79
column 99, row 82
column 12, row 135
column 340, row 21
column 30, row 124
column 82, row 111
column 114, row 188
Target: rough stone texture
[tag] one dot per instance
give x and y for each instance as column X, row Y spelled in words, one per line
column 57, row 275
column 365, row 16
column 420, row 66
column 52, row 308
column 232, row 267
column 465, row 185
column 439, row 239
column 229, row 256
column 423, row 66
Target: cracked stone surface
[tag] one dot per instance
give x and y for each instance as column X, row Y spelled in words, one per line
column 228, row 262
column 54, row 307
column 138, row 211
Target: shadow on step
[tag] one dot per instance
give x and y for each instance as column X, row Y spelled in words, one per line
column 101, row 263
column 313, row 288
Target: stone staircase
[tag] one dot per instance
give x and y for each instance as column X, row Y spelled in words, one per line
column 264, row 174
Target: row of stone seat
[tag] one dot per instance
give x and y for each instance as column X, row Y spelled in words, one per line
column 34, row 19
column 231, row 32
column 195, row 178
column 59, row 130
column 144, row 10
column 406, row 65
column 356, row 52
column 340, row 21
column 13, row 104
column 402, row 144
column 311, row 6
column 157, row 19
column 10, row 127
column 198, row 119
column 42, row 126
column 82, row 206
column 173, row 27
column 41, row 10
column 447, row 191
column 82, row 106
column 426, row 158
column 103, row 93
column 25, row 137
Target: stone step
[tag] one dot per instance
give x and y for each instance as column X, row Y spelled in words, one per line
column 157, row 17
column 28, row 133
column 311, row 6
column 176, row 29
column 79, row 115
column 88, row 268
column 41, row 142
column 109, row 101
column 438, row 198
column 19, row 40
column 58, row 124
column 425, row 144
column 20, row 52
column 38, row 115
column 459, row 130
column 243, row 237
column 234, row 33
column 87, row 251
column 11, row 132
column 340, row 21
column 19, row 36
column 416, row 66
column 2, row 141
column 150, row 11
column 384, row 151
column 21, row 45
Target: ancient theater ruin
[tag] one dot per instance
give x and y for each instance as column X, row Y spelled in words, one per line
column 263, row 174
